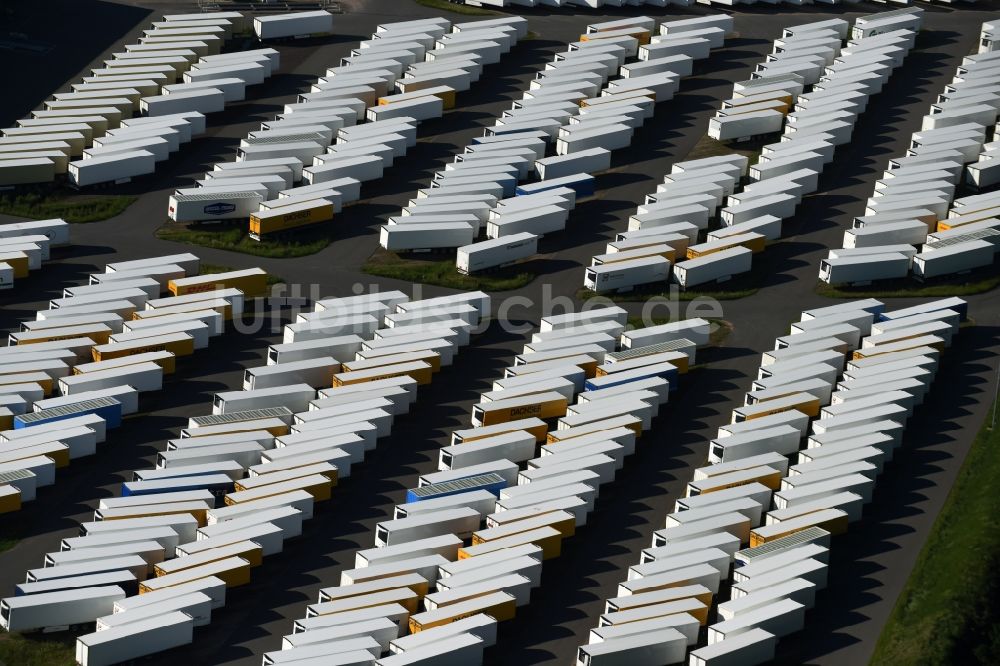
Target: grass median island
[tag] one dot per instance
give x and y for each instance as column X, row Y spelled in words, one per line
column 949, row 611
column 456, row 8
column 237, row 239
column 57, row 649
column 72, row 208
column 442, row 273
column 965, row 286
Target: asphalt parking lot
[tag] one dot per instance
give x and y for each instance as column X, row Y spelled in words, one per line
column 869, row 565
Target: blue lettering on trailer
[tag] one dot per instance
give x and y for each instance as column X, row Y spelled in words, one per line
column 219, row 208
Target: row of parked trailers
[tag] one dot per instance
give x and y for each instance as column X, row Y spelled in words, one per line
column 912, row 204
column 302, row 167
column 663, row 239
column 560, row 109
column 79, row 367
column 137, row 109
column 237, row 483
column 466, row 549
column 814, row 90
column 25, row 246
column 796, row 465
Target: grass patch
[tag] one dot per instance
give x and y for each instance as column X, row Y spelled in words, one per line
column 442, row 273
column 456, row 8
column 6, row 543
column 910, row 289
column 949, row 611
column 89, row 208
column 709, row 147
column 52, row 650
column 237, row 239
column 212, row 269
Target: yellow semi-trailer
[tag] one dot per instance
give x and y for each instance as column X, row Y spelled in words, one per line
column 251, row 281
column 498, row 605
column 178, row 344
column 550, row 404
column 806, row 403
column 284, row 218
column 421, row 371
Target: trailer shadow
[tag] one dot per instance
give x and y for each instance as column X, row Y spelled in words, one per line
column 627, row 512
column 908, row 496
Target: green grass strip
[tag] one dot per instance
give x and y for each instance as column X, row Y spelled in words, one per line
column 949, row 611
column 71, row 209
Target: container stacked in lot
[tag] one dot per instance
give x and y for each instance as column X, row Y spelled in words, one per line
column 759, row 106
column 25, row 246
column 816, row 90
column 571, row 105
column 664, row 229
column 236, row 484
column 913, row 199
column 95, row 120
column 76, row 370
column 352, row 125
column 795, row 467
column 293, row 24
column 172, row 75
column 466, row 549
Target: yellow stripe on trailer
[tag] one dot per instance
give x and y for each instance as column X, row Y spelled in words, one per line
column 274, row 426
column 633, row 423
column 642, row 35
column 197, row 510
column 549, row 539
column 178, row 344
column 764, row 475
column 420, row 371
column 252, row 282
column 403, row 596
column 317, row 485
column 18, row 261
column 99, row 333
column 563, row 521
column 547, row 405
column 538, row 430
column 250, row 551
column 833, row 521
column 43, row 380
column 285, row 218
column 752, row 241
column 445, row 93
column 498, row 605
column 57, row 451
column 234, row 571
